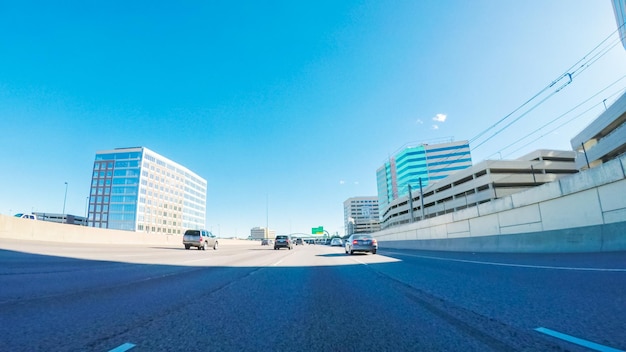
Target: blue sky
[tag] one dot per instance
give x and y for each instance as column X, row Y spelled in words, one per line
column 286, row 108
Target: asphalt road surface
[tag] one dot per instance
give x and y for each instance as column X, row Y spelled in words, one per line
column 71, row 297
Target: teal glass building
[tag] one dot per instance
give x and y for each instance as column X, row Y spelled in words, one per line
column 136, row 189
column 421, row 163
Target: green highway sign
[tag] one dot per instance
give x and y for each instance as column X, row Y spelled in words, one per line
column 317, row 230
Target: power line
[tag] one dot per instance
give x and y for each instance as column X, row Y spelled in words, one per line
column 568, row 112
column 581, row 65
column 621, row 91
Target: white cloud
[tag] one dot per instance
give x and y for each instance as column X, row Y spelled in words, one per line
column 419, row 122
column 341, row 182
column 440, row 117
column 435, row 127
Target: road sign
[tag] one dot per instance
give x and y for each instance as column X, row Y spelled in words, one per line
column 317, row 230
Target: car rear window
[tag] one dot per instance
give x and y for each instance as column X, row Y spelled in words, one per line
column 192, row 233
column 281, row 237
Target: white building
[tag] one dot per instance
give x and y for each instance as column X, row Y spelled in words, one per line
column 259, row 233
column 361, row 215
column 481, row 183
column 604, row 139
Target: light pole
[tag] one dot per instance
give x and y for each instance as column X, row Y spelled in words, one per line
column 86, row 205
column 65, row 198
column 267, row 216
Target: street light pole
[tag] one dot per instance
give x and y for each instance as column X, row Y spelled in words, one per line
column 267, row 216
column 86, row 206
column 64, row 200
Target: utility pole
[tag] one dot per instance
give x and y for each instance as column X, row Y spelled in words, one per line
column 422, row 198
column 410, row 203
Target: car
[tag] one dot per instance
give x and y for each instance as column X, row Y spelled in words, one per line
column 361, row 243
column 336, row 242
column 26, row 216
column 266, row 242
column 283, row 241
column 202, row 239
column 299, row 241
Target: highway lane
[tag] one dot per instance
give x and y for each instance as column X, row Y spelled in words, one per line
column 68, row 297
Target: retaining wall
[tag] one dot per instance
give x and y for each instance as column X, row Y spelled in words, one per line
column 25, row 229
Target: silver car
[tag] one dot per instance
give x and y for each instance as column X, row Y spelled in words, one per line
column 336, row 242
column 361, row 242
column 202, row 239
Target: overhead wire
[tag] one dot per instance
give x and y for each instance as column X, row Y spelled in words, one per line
column 581, row 65
column 567, row 113
column 621, row 91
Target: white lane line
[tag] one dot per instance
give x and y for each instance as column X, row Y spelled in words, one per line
column 122, row 348
column 581, row 342
column 510, row 265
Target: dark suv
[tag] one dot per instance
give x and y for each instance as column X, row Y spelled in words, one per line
column 283, row 241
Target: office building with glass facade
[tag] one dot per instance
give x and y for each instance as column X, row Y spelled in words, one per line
column 136, row 189
column 420, row 165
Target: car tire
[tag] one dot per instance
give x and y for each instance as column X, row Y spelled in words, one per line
column 351, row 252
column 187, row 246
column 203, row 246
column 374, row 251
column 215, row 246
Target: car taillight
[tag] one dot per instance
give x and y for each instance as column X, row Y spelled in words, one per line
column 374, row 241
column 355, row 242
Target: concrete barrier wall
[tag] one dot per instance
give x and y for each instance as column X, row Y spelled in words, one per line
column 579, row 213
column 25, row 229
